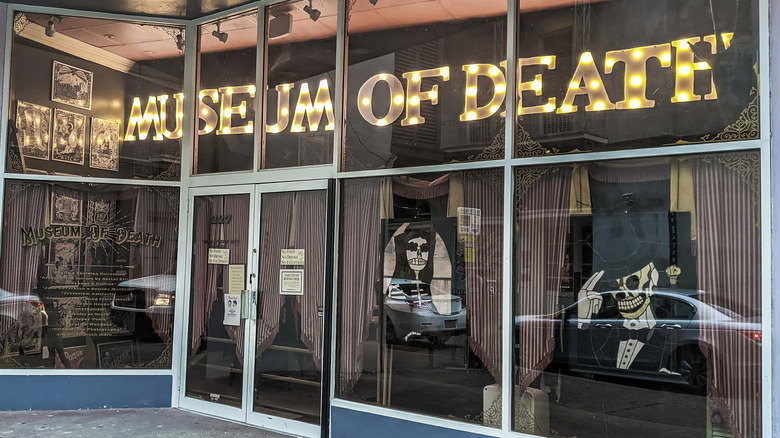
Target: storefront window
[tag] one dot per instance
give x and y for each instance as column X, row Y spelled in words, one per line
column 420, row 293
column 227, row 95
column 301, row 74
column 637, row 298
column 426, row 83
column 606, row 75
column 94, row 97
column 88, row 276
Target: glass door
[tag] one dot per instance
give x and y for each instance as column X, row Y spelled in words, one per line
column 257, row 305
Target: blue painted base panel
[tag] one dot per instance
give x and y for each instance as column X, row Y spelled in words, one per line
column 347, row 423
column 84, row 392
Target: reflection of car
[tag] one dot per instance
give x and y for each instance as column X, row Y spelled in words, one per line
column 136, row 301
column 670, row 347
column 22, row 320
column 413, row 313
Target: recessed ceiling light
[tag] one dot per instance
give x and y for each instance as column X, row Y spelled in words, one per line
column 110, row 36
column 149, row 52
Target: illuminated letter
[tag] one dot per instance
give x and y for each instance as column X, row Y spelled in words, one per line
column 535, row 85
column 586, row 80
column 176, row 133
column 282, row 109
column 685, row 66
column 207, row 113
column 144, row 122
column 314, row 110
column 414, row 96
column 635, row 80
column 227, row 110
column 473, row 71
column 366, row 92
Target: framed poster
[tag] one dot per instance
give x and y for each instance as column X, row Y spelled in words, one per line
column 68, row 137
column 71, row 85
column 118, row 354
column 104, row 144
column 291, row 281
column 33, row 127
column 65, row 207
column 64, row 262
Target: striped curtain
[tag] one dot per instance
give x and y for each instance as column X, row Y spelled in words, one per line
column 204, row 285
column 360, row 270
column 542, row 224
column 484, row 191
column 25, row 207
column 728, row 267
column 237, row 241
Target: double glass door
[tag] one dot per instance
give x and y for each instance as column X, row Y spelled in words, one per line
column 254, row 349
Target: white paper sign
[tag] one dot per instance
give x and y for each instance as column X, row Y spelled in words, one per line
column 232, row 309
column 219, row 256
column 236, row 279
column 293, row 256
column 291, row 281
column 469, row 221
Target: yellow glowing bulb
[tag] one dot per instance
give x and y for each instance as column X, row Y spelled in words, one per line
column 383, row 76
column 493, row 109
column 685, row 70
column 300, row 109
column 414, row 101
column 201, row 94
column 634, row 103
column 473, row 68
column 413, row 121
column 547, row 60
column 548, row 108
column 683, row 97
column 252, row 89
column 152, row 99
column 180, row 115
column 702, row 66
column 599, row 106
column 130, row 138
column 500, row 88
column 433, row 94
column 494, row 71
column 180, row 132
column 636, row 80
column 398, row 99
column 162, row 116
column 536, row 85
column 586, row 58
column 320, row 106
column 141, row 136
column 684, row 45
column 637, row 54
column 330, row 127
column 594, row 84
column 215, row 96
column 328, row 106
column 610, row 62
column 444, row 72
column 286, row 87
column 314, row 127
column 226, row 130
column 471, row 91
column 229, row 90
column 574, row 85
column 228, row 112
column 567, row 108
column 285, row 111
column 666, row 57
column 381, row 122
column 471, row 115
column 275, row 129
column 416, row 77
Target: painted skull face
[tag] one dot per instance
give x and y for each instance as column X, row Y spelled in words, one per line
column 417, row 253
column 635, row 291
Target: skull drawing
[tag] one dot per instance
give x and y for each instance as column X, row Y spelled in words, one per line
column 635, row 290
column 417, row 253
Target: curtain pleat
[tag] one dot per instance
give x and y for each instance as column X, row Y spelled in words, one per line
column 204, row 283
column 235, row 234
column 311, row 237
column 729, row 271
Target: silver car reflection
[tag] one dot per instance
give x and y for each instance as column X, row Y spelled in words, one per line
column 22, row 322
column 413, row 313
column 138, row 300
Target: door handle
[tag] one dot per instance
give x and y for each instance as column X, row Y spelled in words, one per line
column 671, row 326
column 604, row 325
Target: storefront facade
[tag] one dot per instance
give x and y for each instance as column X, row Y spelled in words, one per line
column 308, row 216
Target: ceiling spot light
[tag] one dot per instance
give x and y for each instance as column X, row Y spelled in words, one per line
column 314, row 14
column 373, row 2
column 180, row 41
column 50, row 28
column 221, row 36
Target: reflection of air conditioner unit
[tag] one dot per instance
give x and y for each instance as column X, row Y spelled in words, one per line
column 531, row 410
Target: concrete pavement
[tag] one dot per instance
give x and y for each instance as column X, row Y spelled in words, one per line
column 109, row 423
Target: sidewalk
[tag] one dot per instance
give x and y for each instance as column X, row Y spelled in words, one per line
column 121, row 423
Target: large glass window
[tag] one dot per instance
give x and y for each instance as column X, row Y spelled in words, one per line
column 420, row 293
column 227, row 65
column 637, row 298
column 88, row 275
column 94, row 97
column 606, row 75
column 301, row 70
column 426, row 83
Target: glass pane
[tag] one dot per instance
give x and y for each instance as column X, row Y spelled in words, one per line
column 420, row 294
column 216, row 348
column 226, row 95
column 637, row 298
column 426, row 82
column 94, row 97
column 88, row 276
column 288, row 368
column 618, row 74
column 301, row 74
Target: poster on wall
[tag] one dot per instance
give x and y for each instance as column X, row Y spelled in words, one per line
column 104, row 144
column 64, row 262
column 71, row 85
column 33, row 127
column 65, row 207
column 118, row 354
column 68, row 137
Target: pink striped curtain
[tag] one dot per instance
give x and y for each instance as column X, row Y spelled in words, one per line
column 728, row 267
column 236, row 235
column 312, row 212
column 204, row 283
column 156, row 216
column 359, row 272
column 484, row 190
column 25, row 206
column 542, row 223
